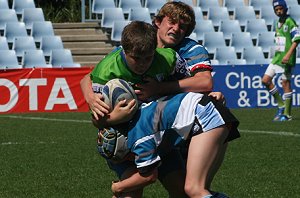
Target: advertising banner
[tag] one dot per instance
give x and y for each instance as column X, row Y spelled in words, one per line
column 42, row 90
column 243, row 88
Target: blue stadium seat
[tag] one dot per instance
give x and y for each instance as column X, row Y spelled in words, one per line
column 256, row 26
column 19, row 5
column 8, row 60
column 62, row 58
column 251, row 54
column 198, row 13
column 263, row 61
column 48, row 43
column 294, row 12
column 7, row 16
column 154, row 5
column 267, row 13
column 30, row 15
column 14, row 29
column 117, row 29
column 266, row 41
column 292, row 2
column 189, row 2
column 139, row 14
column 239, row 40
column 257, row 4
column 223, row 54
column 4, row 4
column 243, row 14
column 216, row 14
column 206, row 4
column 232, row 4
column 34, row 59
column 99, row 5
column 203, row 26
column 22, row 43
column 109, row 16
column 3, row 43
column 40, row 29
column 212, row 40
column 214, row 62
column 228, row 27
column 126, row 5
column 236, row 62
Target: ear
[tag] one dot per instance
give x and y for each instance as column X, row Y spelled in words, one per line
column 157, row 23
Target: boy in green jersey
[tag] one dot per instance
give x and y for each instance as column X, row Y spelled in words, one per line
column 287, row 38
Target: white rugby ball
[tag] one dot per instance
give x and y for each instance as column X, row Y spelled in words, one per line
column 117, row 90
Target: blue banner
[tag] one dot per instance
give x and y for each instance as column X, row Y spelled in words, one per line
column 242, row 86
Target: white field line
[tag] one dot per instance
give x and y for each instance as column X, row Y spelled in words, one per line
column 280, row 133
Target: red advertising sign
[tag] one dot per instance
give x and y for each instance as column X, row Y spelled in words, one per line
column 42, row 90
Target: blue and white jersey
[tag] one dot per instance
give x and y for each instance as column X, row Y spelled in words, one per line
column 195, row 54
column 177, row 112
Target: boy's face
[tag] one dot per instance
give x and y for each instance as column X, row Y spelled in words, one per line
column 170, row 33
column 279, row 11
column 139, row 63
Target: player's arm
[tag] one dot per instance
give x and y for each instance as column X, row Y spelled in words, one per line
column 94, row 100
column 134, row 182
column 286, row 58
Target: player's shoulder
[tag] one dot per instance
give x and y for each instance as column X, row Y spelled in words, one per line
column 190, row 46
column 291, row 21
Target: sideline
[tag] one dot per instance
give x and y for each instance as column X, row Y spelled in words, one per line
column 280, row 133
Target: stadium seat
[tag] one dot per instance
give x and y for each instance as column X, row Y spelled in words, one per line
column 48, row 43
column 99, row 5
column 189, row 2
column 4, row 5
column 264, row 61
column 239, row 40
column 14, row 29
column 30, row 15
column 267, row 13
column 232, row 4
column 292, row 2
column 198, row 13
column 236, row 62
column 222, row 54
column 206, row 4
column 40, row 29
column 7, row 16
column 117, row 29
column 266, row 41
column 19, row 5
column 212, row 40
column 8, row 60
column 154, row 5
column 3, row 43
column 256, row 26
column 22, row 43
column 34, row 59
column 193, row 36
column 257, row 4
column 126, row 5
column 244, row 13
column 139, row 14
column 250, row 54
column 214, row 62
column 294, row 12
column 110, row 15
column 203, row 26
column 62, row 58
column 216, row 14
column 228, row 27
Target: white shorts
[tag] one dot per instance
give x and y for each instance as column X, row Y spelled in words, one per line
column 272, row 70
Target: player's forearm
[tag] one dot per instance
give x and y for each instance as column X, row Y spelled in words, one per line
column 86, row 87
column 134, row 182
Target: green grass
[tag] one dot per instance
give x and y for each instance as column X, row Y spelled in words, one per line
column 55, row 156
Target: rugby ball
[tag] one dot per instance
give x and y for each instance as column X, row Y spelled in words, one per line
column 117, row 90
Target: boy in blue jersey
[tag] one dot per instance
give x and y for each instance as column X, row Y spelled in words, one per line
column 287, row 39
column 190, row 116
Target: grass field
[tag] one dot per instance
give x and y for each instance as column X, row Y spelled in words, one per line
column 54, row 155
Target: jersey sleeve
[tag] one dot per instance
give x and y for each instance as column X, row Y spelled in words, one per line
column 181, row 68
column 198, row 60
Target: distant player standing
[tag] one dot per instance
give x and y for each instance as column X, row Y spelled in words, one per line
column 287, row 38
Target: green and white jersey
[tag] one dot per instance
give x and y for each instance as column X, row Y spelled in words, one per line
column 166, row 64
column 286, row 34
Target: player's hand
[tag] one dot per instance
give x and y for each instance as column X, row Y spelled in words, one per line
column 218, row 96
column 97, row 105
column 122, row 112
column 115, row 190
column 148, row 89
column 285, row 59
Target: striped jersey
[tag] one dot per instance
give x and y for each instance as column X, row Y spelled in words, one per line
column 286, row 34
